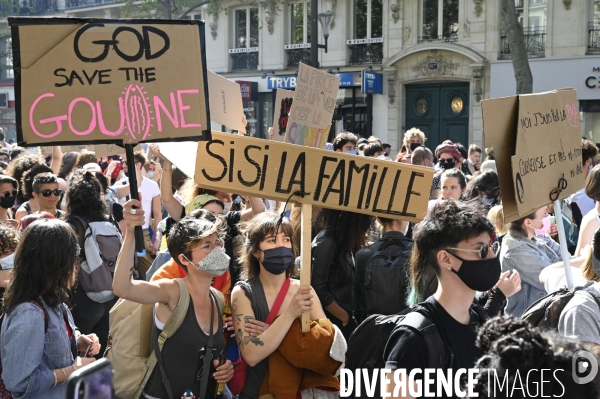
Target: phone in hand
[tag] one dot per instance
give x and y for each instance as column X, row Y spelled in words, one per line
column 94, row 381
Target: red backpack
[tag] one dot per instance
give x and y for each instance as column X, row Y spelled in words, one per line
column 5, row 393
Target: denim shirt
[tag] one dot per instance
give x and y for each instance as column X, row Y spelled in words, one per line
column 29, row 356
column 529, row 257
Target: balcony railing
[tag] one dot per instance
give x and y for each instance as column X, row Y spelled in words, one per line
column 535, row 42
column 35, row 7
column 296, row 56
column 447, row 37
column 593, row 38
column 88, row 3
column 369, row 53
column 244, row 61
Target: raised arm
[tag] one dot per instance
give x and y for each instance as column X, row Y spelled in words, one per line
column 173, row 207
column 162, row 291
column 255, row 349
column 57, row 157
column 258, row 206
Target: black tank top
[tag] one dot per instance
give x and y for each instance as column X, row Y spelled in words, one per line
column 180, row 355
column 254, row 291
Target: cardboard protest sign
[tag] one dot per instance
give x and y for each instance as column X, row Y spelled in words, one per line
column 226, row 102
column 332, row 180
column 312, row 110
column 109, row 81
column 536, row 140
column 283, row 103
column 105, row 150
column 182, row 155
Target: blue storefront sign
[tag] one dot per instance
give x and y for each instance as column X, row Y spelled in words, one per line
column 372, row 82
column 350, row 79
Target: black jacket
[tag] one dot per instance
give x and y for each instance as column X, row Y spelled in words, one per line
column 362, row 257
column 332, row 273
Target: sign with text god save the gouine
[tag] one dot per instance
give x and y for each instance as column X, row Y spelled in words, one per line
column 119, row 81
column 536, row 140
column 331, row 180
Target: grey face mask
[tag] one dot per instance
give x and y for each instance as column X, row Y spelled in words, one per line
column 216, row 262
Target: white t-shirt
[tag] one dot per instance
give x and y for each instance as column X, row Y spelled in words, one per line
column 149, row 190
column 585, row 203
column 557, row 279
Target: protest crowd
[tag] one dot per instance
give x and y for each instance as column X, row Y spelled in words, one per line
column 218, row 272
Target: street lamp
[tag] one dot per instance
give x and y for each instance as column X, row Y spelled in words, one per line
column 325, row 19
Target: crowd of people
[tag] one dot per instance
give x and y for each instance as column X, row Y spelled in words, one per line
column 219, row 272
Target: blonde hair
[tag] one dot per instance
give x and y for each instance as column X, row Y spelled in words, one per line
column 410, row 133
column 496, row 216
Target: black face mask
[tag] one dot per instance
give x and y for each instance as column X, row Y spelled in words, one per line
column 479, row 275
column 448, row 164
column 414, row 146
column 277, row 260
column 7, row 202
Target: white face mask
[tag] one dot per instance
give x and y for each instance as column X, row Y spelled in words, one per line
column 227, row 207
column 151, row 175
column 8, row 262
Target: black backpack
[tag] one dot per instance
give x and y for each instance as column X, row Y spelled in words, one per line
column 545, row 312
column 386, row 278
column 367, row 343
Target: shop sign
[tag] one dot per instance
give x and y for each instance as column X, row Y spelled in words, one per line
column 372, row 82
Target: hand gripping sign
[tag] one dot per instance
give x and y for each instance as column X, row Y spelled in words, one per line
column 111, row 81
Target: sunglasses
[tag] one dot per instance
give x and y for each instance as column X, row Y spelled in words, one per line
column 8, row 194
column 46, row 193
column 483, row 251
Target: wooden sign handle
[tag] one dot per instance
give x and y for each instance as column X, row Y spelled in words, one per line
column 305, row 254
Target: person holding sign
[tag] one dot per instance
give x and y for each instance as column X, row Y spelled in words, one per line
column 266, row 306
column 528, row 249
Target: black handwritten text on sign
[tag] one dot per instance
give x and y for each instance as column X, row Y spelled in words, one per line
column 330, row 180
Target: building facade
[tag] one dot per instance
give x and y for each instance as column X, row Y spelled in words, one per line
column 438, row 58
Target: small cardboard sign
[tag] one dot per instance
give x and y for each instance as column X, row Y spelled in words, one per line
column 333, row 180
column 536, row 140
column 226, row 103
column 105, row 150
column 109, row 81
column 283, row 103
column 312, row 110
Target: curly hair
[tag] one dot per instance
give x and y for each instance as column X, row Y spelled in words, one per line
column 341, row 139
column 41, row 267
column 256, row 230
column 9, row 238
column 588, row 150
column 446, row 224
column 85, row 197
column 515, row 350
column 29, row 177
column 18, row 167
column 348, row 229
column 67, row 164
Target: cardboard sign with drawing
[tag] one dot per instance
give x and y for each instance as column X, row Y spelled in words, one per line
column 312, row 110
column 536, row 140
column 112, row 81
column 283, row 104
column 332, row 180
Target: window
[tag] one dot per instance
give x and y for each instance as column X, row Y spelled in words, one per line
column 246, row 27
column 197, row 17
column 300, row 22
column 594, row 27
column 440, row 19
column 6, row 59
column 532, row 14
column 368, row 19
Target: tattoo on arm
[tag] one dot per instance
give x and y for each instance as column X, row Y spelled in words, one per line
column 247, row 319
column 243, row 341
column 238, row 316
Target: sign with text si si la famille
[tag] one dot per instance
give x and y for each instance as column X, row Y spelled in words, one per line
column 536, row 140
column 334, row 180
column 312, row 109
column 120, row 81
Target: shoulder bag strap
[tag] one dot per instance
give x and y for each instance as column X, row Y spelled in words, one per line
column 208, row 351
column 278, row 301
column 436, row 349
column 171, row 326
